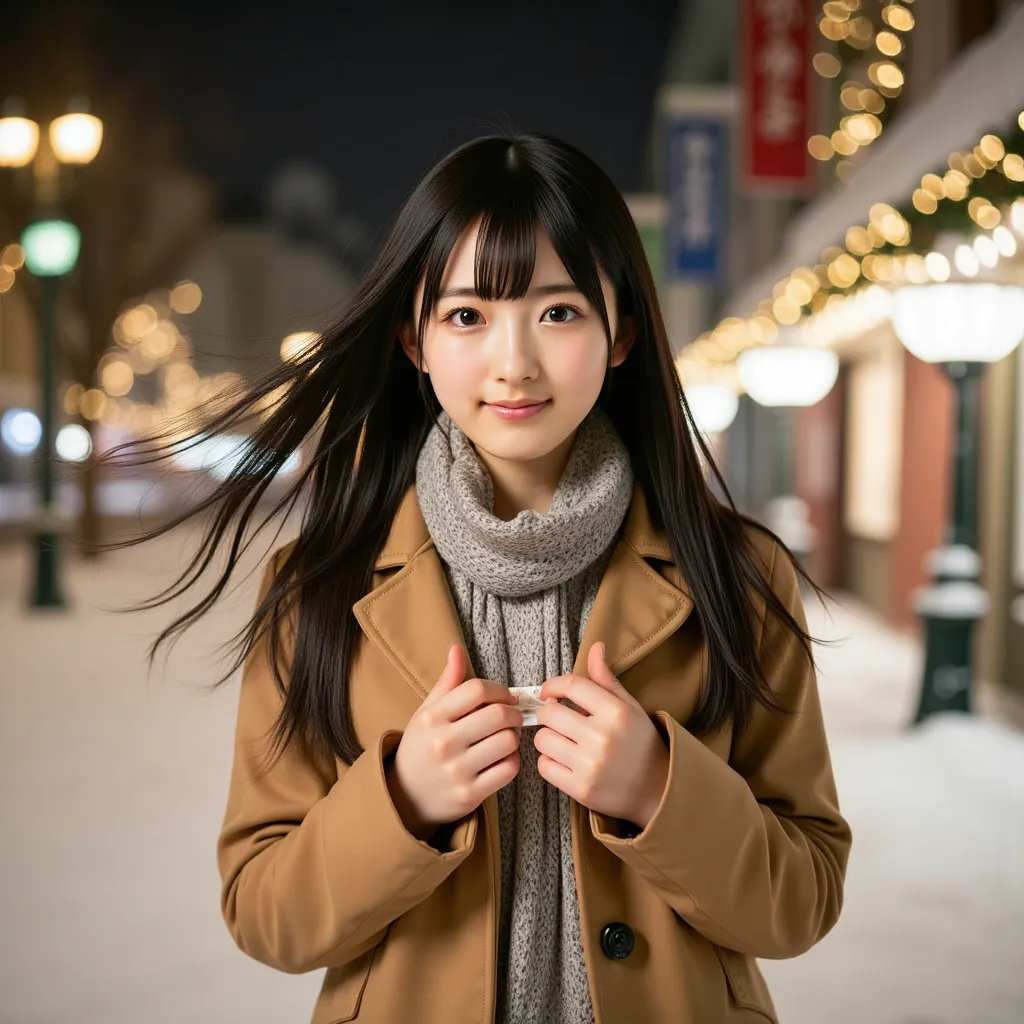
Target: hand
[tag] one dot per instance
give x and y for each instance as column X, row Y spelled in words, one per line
column 460, row 746
column 612, row 759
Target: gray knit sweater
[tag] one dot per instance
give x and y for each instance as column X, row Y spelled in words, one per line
column 523, row 590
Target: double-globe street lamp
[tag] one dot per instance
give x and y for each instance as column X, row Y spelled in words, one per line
column 51, row 244
column 962, row 327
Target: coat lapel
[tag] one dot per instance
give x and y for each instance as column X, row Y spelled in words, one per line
column 411, row 617
column 636, row 608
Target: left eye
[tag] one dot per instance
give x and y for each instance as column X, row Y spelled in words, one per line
column 562, row 314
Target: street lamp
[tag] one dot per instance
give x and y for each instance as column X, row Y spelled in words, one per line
column 786, row 378
column 51, row 244
column 961, row 326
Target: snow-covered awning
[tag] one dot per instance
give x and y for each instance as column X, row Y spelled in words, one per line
column 983, row 91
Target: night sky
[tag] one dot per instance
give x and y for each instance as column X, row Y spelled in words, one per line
column 376, row 92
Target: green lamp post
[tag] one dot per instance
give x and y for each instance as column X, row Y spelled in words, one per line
column 961, row 326
column 51, row 244
column 51, row 248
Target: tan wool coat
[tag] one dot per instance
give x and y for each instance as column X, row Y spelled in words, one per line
column 745, row 856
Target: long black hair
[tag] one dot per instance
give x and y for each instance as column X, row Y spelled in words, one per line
column 367, row 410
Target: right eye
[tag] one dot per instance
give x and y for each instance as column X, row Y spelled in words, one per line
column 463, row 316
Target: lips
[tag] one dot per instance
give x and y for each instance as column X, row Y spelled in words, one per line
column 520, row 409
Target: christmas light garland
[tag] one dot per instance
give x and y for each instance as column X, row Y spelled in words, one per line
column 860, row 45
column 978, row 196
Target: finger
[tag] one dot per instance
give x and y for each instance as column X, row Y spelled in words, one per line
column 556, row 746
column 499, row 774
column 483, row 721
column 475, row 693
column 598, row 670
column 453, row 673
column 489, row 750
column 566, row 721
column 557, row 774
column 584, row 692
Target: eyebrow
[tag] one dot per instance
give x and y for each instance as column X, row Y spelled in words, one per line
column 545, row 289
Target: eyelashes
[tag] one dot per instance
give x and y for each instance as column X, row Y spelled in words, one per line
column 452, row 313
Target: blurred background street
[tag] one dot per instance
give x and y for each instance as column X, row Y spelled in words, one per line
column 831, row 195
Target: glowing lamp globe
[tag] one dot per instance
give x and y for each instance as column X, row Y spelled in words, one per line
column 959, row 322
column 714, row 406
column 51, row 247
column 76, row 138
column 787, row 375
column 19, row 140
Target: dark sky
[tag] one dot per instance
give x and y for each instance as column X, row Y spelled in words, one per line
column 375, row 91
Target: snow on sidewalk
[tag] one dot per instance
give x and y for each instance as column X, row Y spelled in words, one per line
column 932, row 930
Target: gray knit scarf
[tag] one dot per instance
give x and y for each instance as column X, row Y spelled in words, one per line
column 523, row 590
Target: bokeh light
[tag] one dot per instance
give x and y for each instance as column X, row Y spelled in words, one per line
column 73, row 443
column 21, row 431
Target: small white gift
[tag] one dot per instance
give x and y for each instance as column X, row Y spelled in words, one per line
column 529, row 701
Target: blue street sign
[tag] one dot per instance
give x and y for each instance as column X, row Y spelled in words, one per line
column 698, row 180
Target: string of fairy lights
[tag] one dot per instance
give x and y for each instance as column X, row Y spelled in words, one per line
column 146, row 384
column 978, row 199
column 149, row 343
column 866, row 55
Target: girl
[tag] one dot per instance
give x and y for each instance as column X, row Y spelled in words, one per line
column 505, row 491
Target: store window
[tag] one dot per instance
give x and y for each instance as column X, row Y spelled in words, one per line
column 873, row 444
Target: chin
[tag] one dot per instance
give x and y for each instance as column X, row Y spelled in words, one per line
column 519, row 442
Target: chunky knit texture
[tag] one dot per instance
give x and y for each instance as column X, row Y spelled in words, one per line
column 523, row 590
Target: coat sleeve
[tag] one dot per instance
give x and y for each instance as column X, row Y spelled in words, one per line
column 314, row 860
column 751, row 853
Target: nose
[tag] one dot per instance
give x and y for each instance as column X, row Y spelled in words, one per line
column 514, row 357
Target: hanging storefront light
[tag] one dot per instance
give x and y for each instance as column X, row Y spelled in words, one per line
column 788, row 375
column 959, row 321
column 714, row 406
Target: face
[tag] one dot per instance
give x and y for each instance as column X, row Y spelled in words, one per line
column 517, row 376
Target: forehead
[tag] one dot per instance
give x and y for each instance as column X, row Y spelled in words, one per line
column 460, row 269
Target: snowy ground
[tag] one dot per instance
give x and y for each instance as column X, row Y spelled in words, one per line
column 113, row 786
column 932, row 930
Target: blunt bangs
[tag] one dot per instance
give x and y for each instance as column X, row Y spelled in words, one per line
column 511, row 195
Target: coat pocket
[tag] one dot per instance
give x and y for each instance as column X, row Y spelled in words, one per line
column 342, row 989
column 747, row 988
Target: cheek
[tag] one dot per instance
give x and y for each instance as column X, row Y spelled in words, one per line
column 578, row 363
column 456, row 369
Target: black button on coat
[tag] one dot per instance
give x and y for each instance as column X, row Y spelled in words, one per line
column 617, row 940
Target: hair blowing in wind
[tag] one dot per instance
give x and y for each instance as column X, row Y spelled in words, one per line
column 366, row 410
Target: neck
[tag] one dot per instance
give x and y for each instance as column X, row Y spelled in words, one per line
column 520, row 485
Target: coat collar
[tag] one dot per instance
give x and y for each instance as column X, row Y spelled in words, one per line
column 411, row 617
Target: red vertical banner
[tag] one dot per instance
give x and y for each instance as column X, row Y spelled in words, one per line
column 776, row 39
